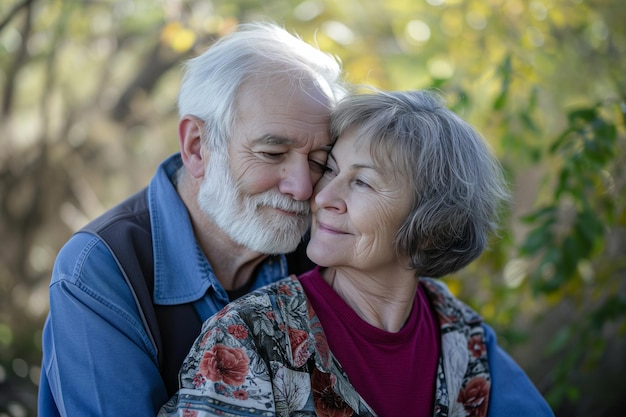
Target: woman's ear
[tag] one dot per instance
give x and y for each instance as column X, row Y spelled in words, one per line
column 192, row 151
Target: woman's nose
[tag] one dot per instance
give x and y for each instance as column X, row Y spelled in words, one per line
column 329, row 195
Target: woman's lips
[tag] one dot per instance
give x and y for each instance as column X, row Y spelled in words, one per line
column 329, row 229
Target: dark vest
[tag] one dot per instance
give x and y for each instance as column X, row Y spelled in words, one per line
column 126, row 230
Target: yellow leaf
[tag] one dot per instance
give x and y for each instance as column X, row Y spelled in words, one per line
column 184, row 40
column 169, row 31
column 177, row 37
column 454, row 286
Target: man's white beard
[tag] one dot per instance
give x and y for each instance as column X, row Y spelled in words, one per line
column 250, row 220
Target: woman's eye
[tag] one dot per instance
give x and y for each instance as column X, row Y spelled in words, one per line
column 361, row 183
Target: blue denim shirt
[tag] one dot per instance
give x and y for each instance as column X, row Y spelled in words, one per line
column 97, row 357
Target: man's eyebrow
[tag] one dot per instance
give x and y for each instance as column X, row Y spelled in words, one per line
column 272, row 140
column 282, row 140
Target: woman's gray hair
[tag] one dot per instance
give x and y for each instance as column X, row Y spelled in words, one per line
column 212, row 80
column 457, row 184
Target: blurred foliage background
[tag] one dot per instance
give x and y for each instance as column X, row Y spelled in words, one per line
column 88, row 110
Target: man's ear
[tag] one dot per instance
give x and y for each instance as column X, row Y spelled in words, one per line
column 192, row 151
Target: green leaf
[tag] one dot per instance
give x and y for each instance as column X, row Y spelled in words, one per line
column 547, row 214
column 584, row 115
column 560, row 140
column 536, row 240
column 590, row 226
column 505, row 71
column 611, row 309
column 528, row 122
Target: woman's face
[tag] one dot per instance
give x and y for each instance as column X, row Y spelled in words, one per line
column 358, row 206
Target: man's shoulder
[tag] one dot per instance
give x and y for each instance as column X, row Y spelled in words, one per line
column 87, row 259
column 86, row 264
column 512, row 391
column 133, row 210
column 80, row 250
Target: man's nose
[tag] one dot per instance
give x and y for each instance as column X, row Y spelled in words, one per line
column 296, row 180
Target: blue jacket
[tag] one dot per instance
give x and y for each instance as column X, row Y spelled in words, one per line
column 512, row 393
column 98, row 358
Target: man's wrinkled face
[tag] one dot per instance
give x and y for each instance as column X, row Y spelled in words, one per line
column 259, row 193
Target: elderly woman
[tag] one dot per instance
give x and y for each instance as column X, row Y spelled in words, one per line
column 410, row 193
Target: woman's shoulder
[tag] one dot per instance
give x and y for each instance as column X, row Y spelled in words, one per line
column 284, row 288
column 283, row 297
column 449, row 308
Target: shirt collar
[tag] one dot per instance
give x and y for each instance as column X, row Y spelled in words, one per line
column 182, row 273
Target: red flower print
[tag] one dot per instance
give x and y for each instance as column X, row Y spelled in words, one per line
column 475, row 397
column 271, row 315
column 189, row 413
column 240, row 394
column 222, row 312
column 299, row 341
column 198, row 380
column 476, row 346
column 284, row 289
column 237, row 330
column 222, row 389
column 321, row 344
column 296, row 336
column 224, row 363
column 327, row 402
column 205, row 337
column 309, row 309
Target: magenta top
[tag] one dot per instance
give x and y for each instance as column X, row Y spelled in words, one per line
column 393, row 372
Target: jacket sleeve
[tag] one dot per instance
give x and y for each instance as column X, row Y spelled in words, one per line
column 512, row 392
column 97, row 357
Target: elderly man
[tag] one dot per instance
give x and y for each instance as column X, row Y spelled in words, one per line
column 130, row 291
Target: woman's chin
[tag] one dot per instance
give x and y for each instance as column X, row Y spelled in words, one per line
column 319, row 257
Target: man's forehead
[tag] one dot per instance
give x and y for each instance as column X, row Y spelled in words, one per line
column 288, row 85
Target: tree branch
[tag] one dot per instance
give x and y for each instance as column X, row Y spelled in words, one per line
column 13, row 12
column 20, row 56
